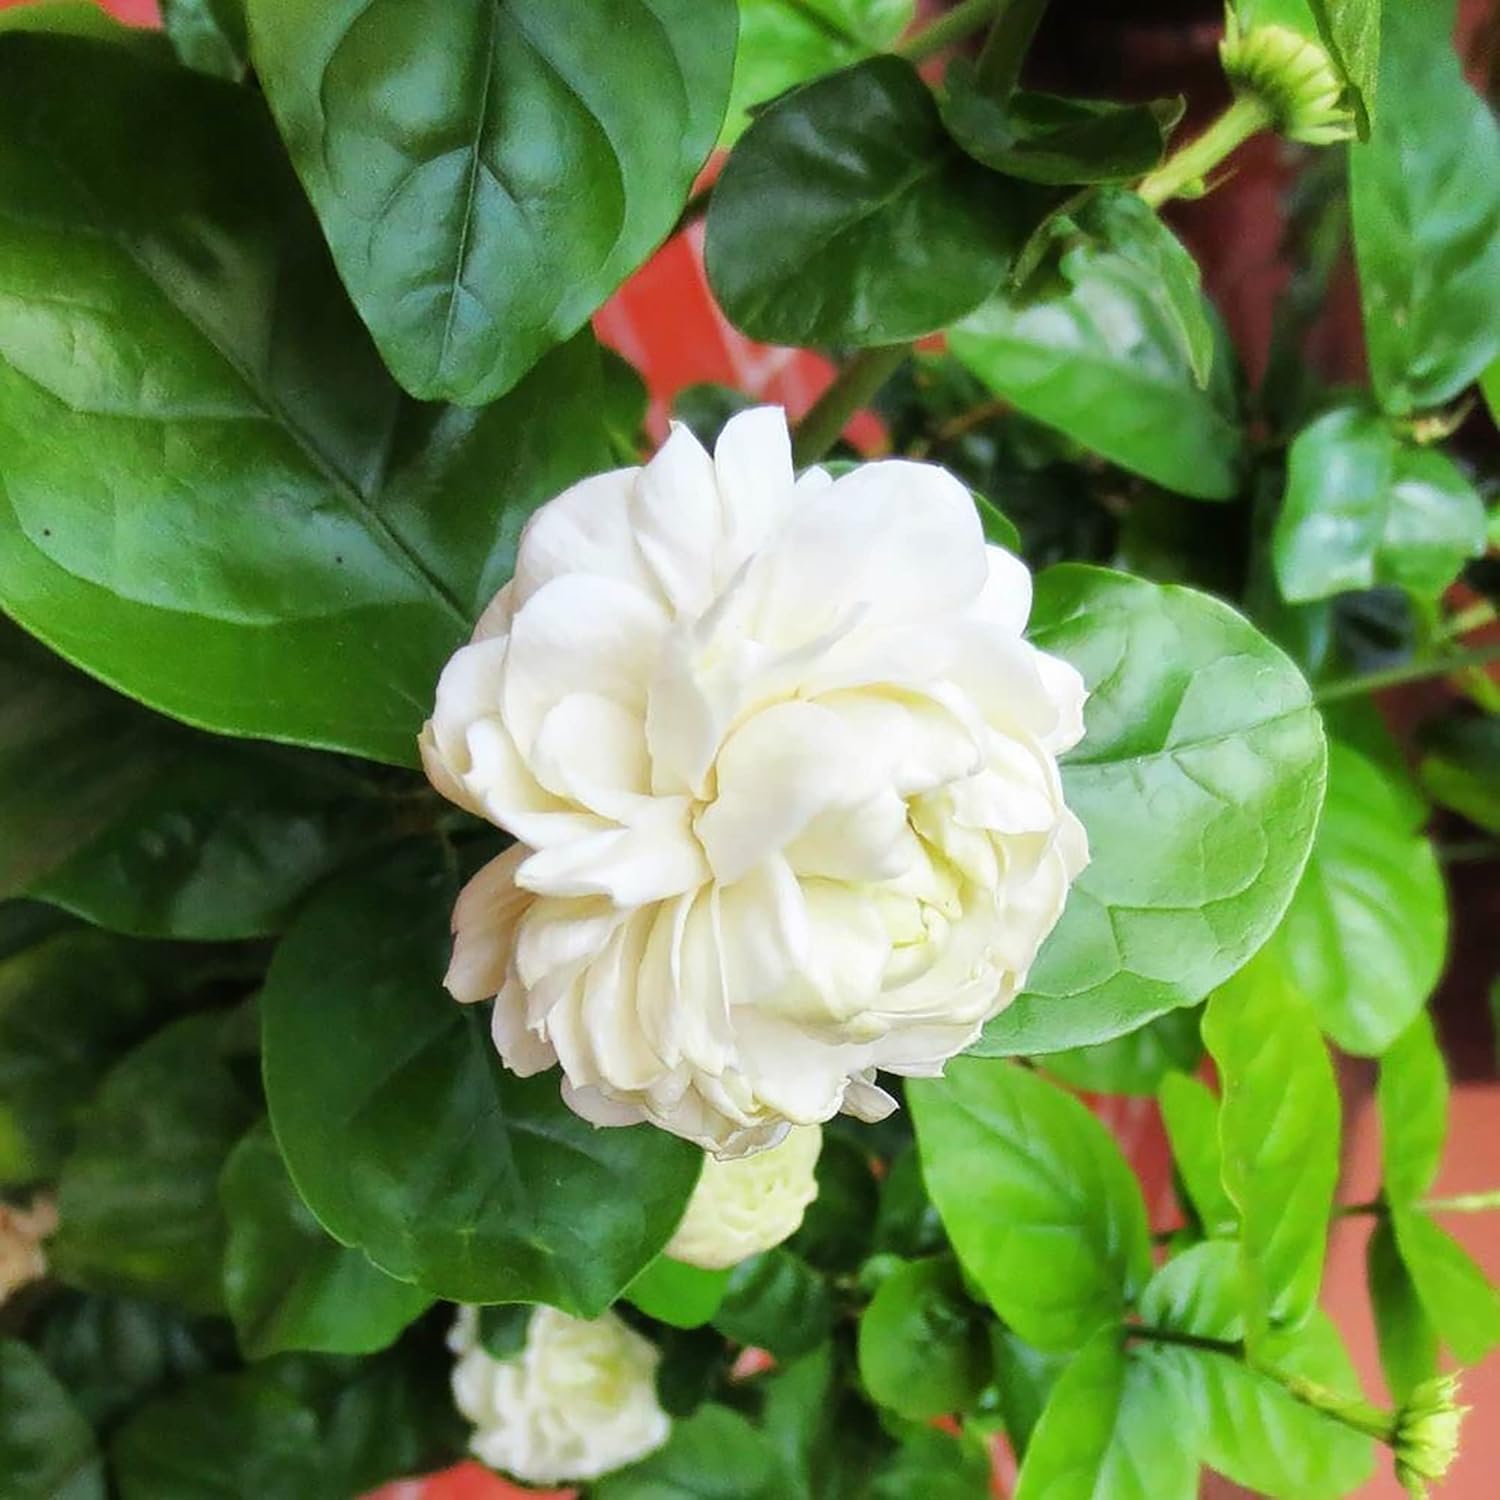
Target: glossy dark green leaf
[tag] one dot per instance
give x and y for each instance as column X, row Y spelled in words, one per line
column 1425, row 195
column 786, row 42
column 488, row 172
column 1135, row 1063
column 906, row 1223
column 287, row 1284
column 113, row 1352
column 208, row 35
column 77, row 18
column 138, row 1198
column 935, row 1465
column 214, row 497
column 679, row 1295
column 715, row 1455
column 1363, row 507
column 47, row 1449
column 1190, row 1113
column 776, row 1302
column 71, row 1004
column 1413, row 1099
column 1460, row 1301
column 923, row 1350
column 846, row 216
column 1279, row 1133
column 226, row 1435
column 407, row 1137
column 1365, row 935
column 1047, row 139
column 1460, row 767
column 1024, row 1381
column 1407, row 1340
column 1199, row 780
column 835, row 1230
column 830, row 1442
column 1036, row 1197
column 1117, row 349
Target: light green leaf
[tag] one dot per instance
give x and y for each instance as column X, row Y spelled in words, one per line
column 1364, row 508
column 214, row 497
column 1425, row 196
column 1135, row 1063
column 923, row 1350
column 1117, row 350
column 1351, row 32
column 1413, row 1099
column 208, row 35
column 287, row 1285
column 47, row 1449
column 677, row 1294
column 1036, row 1197
column 847, row 216
column 80, row 18
column 1190, row 1112
column 1199, row 780
column 407, row 1137
column 1364, row 938
column 776, row 1302
column 1279, row 1134
column 226, row 1435
column 138, row 1198
column 487, row 172
column 1024, row 1381
column 786, row 42
column 1408, row 1342
column 1461, row 1303
column 714, row 1455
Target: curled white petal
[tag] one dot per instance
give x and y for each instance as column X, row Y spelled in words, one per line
column 782, row 770
column 578, row 1400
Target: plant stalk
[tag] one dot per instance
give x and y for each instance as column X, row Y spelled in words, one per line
column 1415, row 671
column 999, row 67
column 963, row 20
column 1462, row 1203
column 852, row 388
column 1247, row 116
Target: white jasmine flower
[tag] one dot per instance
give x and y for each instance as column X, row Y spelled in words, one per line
column 782, row 774
column 578, row 1401
column 22, row 1231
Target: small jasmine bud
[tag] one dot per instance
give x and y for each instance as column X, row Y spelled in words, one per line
column 1292, row 76
column 1426, row 1434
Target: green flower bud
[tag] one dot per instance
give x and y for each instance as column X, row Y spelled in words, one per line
column 1426, row 1437
column 1292, row 76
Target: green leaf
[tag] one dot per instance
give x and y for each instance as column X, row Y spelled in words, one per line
column 1460, row 767
column 786, row 42
column 676, row 1294
column 1365, row 935
column 1461, row 1303
column 1036, row 1197
column 78, row 18
column 923, row 1350
column 113, row 1352
column 1350, row 30
column 1425, row 197
column 47, row 1449
column 829, row 1441
column 1413, row 1099
column 1242, row 1421
column 214, row 497
column 846, row 216
column 208, row 35
column 1117, row 349
column 226, row 1435
column 1135, row 1063
column 776, row 1302
column 1364, row 508
column 1279, row 1133
column 1190, row 1112
column 1024, row 1381
column 138, row 1198
column 1046, row 139
column 287, row 1285
column 488, row 172
column 70, row 1005
column 406, row 1136
column 835, row 1230
column 1198, row 780
column 906, row 1223
column 936, row 1466
column 1408, row 1342
column 714, row 1455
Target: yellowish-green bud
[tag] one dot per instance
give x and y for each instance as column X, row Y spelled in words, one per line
column 1292, row 76
column 1426, row 1435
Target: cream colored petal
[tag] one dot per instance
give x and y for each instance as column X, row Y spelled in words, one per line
column 484, row 928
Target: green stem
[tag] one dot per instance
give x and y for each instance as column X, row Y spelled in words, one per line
column 963, row 20
column 1194, row 161
column 1462, row 1203
column 1349, row 1210
column 1413, row 671
column 999, row 67
column 1474, row 617
column 1233, row 1348
column 852, row 388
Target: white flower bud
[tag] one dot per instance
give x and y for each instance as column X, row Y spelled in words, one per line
column 1293, row 76
column 742, row 1207
column 1426, row 1440
column 783, row 774
column 578, row 1401
column 21, row 1234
